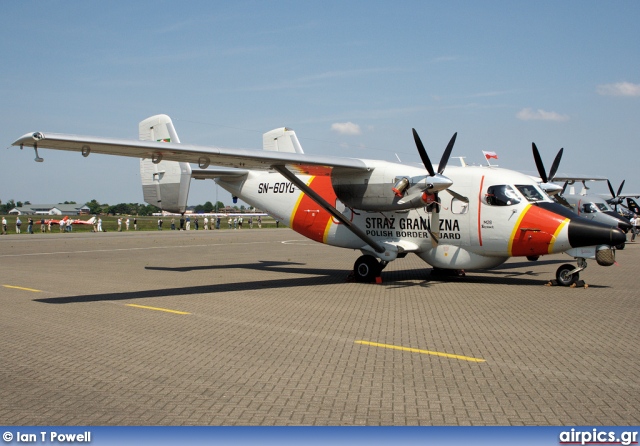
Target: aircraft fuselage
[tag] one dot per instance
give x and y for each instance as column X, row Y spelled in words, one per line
column 482, row 233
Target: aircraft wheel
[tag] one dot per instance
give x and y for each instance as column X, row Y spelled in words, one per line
column 366, row 268
column 564, row 277
column 532, row 258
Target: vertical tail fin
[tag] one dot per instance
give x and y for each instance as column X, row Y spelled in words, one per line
column 164, row 184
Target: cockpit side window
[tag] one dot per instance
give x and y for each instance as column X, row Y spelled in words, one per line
column 589, row 208
column 502, row 195
column 530, row 192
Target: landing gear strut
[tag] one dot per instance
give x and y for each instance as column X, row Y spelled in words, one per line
column 367, row 268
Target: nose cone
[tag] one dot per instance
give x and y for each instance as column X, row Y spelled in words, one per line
column 623, row 223
column 584, row 232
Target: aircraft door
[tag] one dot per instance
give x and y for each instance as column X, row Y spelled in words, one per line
column 456, row 229
column 499, row 212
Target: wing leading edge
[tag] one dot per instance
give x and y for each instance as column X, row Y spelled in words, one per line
column 201, row 155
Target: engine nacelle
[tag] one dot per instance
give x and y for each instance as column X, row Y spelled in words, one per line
column 376, row 190
column 166, row 184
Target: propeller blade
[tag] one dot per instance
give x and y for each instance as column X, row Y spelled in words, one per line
column 564, row 186
column 447, row 153
column 613, row 195
column 539, row 164
column 458, row 196
column 620, row 188
column 423, row 154
column 434, row 232
column 563, row 201
column 555, row 165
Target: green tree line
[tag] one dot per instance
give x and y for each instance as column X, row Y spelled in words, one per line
column 121, row 208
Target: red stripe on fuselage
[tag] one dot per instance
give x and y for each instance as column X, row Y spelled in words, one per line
column 309, row 218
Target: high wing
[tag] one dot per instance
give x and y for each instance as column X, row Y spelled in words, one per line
column 570, row 177
column 201, row 155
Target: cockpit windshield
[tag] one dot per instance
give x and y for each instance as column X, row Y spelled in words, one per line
column 589, row 208
column 530, row 192
column 502, row 195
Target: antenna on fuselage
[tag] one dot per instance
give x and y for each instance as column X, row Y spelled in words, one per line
column 461, row 158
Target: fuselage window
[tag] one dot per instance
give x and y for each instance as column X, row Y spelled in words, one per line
column 530, row 192
column 502, row 195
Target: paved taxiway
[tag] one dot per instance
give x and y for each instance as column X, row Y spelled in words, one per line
column 263, row 329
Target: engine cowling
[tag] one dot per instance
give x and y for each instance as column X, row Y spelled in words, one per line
column 375, row 190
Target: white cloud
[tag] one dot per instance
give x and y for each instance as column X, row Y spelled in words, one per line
column 346, row 128
column 619, row 89
column 528, row 114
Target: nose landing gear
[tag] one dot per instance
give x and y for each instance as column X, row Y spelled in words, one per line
column 569, row 275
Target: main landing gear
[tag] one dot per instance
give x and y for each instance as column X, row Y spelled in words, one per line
column 367, row 268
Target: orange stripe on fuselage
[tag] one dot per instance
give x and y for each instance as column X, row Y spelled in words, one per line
column 535, row 232
column 308, row 218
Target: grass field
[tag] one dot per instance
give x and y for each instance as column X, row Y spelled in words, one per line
column 110, row 223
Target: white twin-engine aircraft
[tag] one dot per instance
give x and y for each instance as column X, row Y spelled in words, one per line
column 472, row 218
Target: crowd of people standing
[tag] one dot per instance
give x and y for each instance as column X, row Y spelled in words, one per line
column 185, row 222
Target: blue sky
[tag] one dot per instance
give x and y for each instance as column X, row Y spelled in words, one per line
column 350, row 77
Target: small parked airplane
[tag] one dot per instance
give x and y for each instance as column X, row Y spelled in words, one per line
column 475, row 217
column 589, row 206
column 593, row 207
column 73, row 222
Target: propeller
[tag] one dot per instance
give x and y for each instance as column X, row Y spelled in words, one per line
column 539, row 164
column 435, row 176
column 551, row 189
column 615, row 199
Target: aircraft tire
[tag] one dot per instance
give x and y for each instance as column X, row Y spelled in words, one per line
column 366, row 268
column 564, row 278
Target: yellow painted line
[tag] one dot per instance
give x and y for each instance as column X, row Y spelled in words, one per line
column 22, row 288
column 157, row 309
column 424, row 352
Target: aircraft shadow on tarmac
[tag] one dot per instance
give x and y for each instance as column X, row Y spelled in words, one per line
column 423, row 277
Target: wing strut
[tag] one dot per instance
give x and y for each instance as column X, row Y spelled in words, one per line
column 282, row 170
